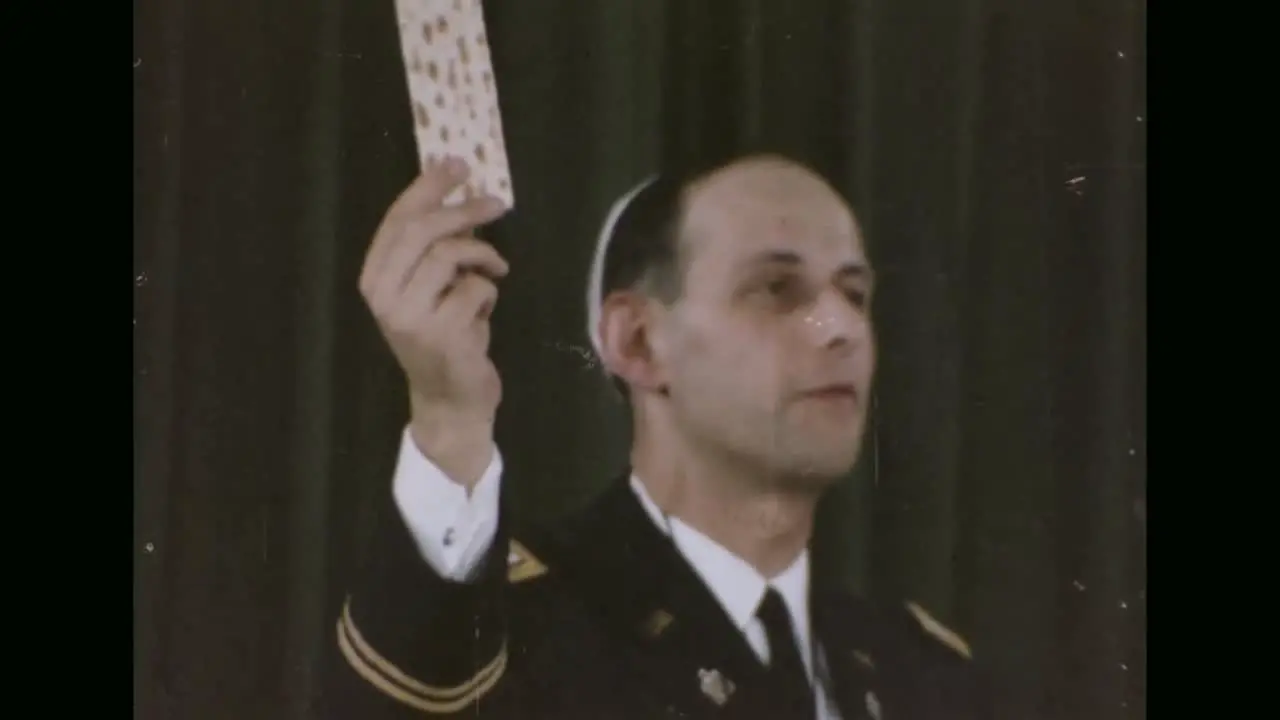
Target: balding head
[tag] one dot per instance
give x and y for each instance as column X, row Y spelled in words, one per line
column 759, row 199
column 767, row 352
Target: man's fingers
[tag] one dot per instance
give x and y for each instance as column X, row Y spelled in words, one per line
column 461, row 219
column 447, row 262
column 400, row 247
column 442, row 314
column 472, row 298
column 450, row 261
column 468, row 253
column 430, row 188
column 423, row 195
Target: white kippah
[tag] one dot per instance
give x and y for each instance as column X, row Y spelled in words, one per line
column 595, row 281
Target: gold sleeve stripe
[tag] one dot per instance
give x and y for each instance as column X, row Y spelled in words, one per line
column 940, row 631
column 394, row 682
column 385, row 667
column 439, row 707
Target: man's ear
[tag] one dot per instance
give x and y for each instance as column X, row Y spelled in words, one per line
column 626, row 335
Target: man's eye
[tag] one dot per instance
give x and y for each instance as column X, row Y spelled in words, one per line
column 857, row 297
column 780, row 286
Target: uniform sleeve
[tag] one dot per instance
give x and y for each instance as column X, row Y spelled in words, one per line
column 422, row 630
column 453, row 529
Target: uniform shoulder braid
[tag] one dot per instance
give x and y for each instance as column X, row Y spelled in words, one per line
column 938, row 632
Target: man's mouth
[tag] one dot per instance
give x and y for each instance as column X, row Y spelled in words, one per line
column 835, row 391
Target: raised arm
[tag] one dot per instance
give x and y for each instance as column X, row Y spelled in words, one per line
column 422, row 631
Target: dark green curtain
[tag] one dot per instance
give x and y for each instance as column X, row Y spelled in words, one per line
column 994, row 149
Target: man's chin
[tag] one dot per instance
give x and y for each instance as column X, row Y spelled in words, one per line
column 817, row 473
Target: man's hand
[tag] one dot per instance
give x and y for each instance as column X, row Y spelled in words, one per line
column 430, row 285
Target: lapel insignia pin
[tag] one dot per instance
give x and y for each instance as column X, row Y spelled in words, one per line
column 657, row 623
column 521, row 564
column 873, row 706
column 864, row 660
column 715, row 686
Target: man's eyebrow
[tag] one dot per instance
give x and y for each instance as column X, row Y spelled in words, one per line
column 774, row 257
column 855, row 269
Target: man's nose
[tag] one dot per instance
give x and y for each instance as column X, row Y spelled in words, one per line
column 834, row 321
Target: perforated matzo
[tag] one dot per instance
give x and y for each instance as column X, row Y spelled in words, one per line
column 453, row 92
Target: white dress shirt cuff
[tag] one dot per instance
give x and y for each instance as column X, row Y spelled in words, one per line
column 453, row 530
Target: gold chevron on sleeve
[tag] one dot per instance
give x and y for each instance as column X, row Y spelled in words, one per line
column 522, row 565
column 394, row 682
column 939, row 631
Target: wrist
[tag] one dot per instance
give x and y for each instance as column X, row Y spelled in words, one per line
column 459, row 443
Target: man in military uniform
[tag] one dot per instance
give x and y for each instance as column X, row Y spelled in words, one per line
column 731, row 304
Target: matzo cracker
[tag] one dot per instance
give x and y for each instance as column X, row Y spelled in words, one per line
column 453, row 93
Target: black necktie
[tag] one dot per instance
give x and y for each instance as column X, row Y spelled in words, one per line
column 787, row 676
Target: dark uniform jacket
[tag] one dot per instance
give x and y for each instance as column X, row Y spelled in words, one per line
column 602, row 618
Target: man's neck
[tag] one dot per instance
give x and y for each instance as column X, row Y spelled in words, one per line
column 765, row 526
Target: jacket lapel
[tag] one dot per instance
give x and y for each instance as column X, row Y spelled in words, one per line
column 846, row 629
column 675, row 641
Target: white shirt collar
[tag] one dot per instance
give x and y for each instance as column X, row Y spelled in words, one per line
column 738, row 586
